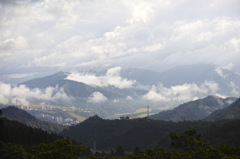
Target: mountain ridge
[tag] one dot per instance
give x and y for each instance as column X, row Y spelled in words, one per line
column 230, row 112
column 14, row 113
column 194, row 110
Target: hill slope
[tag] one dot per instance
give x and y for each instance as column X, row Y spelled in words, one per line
column 230, row 112
column 24, row 117
column 194, row 110
column 145, row 133
column 18, row 133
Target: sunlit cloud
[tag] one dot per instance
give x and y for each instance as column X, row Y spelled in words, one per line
column 97, row 97
column 111, row 78
column 23, row 95
column 181, row 93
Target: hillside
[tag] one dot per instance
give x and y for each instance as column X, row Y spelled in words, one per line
column 145, row 133
column 230, row 112
column 18, row 133
column 13, row 113
column 194, row 110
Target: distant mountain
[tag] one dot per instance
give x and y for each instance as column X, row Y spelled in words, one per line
column 14, row 113
column 194, row 110
column 226, row 79
column 145, row 133
column 230, row 112
column 157, row 89
column 72, row 88
column 79, row 93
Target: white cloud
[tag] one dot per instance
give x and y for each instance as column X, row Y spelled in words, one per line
column 181, row 93
column 111, row 78
column 129, row 98
column 9, row 94
column 97, row 97
column 153, row 34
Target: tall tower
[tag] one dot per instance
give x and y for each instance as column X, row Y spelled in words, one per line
column 94, row 146
column 147, row 111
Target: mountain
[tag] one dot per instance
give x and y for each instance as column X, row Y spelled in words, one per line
column 230, row 112
column 12, row 131
column 71, row 88
column 13, row 113
column 124, row 91
column 107, row 101
column 194, row 110
column 197, row 73
column 144, row 133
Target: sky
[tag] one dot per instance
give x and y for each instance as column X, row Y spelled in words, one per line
column 39, row 37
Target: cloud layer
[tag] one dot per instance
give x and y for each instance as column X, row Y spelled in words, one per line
column 60, row 35
column 23, row 95
column 111, row 78
column 181, row 93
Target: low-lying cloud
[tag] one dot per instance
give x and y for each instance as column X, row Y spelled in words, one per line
column 181, row 93
column 111, row 78
column 23, row 95
column 97, row 97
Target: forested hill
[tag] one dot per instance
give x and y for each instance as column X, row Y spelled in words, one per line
column 230, row 112
column 145, row 133
column 15, row 132
column 14, row 113
column 195, row 110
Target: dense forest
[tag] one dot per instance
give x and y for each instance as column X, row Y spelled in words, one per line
column 150, row 139
column 145, row 133
column 19, row 141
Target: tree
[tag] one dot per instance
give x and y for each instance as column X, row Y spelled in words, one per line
column 61, row 149
column 120, row 151
column 189, row 141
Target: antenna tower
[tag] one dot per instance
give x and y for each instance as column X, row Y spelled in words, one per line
column 148, row 111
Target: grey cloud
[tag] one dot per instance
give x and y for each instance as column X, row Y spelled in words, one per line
column 148, row 34
column 17, row 2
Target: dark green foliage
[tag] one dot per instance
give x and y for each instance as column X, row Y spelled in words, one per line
column 60, row 149
column 192, row 146
column 14, row 113
column 119, row 151
column 18, row 141
column 146, row 133
column 13, row 151
column 189, row 141
column 18, row 133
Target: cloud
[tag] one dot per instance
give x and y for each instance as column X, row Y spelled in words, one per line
column 9, row 94
column 111, row 78
column 147, row 34
column 181, row 93
column 97, row 97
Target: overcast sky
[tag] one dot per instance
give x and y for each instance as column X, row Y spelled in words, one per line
column 46, row 36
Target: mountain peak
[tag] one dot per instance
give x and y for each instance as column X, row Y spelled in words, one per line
column 194, row 110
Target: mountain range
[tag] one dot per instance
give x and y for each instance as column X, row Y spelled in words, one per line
column 124, row 91
column 194, row 110
column 230, row 112
column 144, row 132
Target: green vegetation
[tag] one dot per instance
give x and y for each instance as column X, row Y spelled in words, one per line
column 18, row 141
column 14, row 113
column 145, row 133
column 187, row 145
